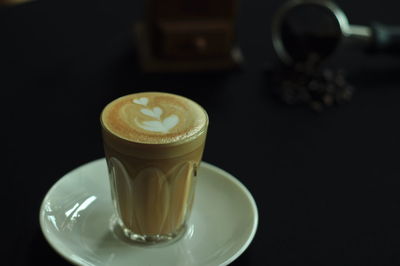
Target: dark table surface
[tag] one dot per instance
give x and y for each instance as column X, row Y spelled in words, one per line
column 326, row 184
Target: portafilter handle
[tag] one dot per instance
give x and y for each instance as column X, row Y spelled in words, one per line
column 384, row 39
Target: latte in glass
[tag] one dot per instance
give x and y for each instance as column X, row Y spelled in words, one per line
column 153, row 145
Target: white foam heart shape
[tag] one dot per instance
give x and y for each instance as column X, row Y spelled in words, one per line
column 142, row 101
column 156, row 112
column 160, row 126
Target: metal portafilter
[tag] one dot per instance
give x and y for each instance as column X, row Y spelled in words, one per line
column 304, row 28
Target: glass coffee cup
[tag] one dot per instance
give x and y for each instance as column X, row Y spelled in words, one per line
column 153, row 144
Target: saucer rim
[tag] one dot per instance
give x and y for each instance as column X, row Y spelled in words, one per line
column 203, row 164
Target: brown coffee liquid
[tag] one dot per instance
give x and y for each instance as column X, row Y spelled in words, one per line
column 153, row 144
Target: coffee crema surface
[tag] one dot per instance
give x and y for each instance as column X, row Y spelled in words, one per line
column 154, row 118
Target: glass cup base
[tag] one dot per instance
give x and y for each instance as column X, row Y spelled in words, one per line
column 126, row 235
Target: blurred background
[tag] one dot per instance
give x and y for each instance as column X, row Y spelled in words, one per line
column 326, row 184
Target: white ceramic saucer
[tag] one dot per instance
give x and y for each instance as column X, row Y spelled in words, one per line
column 75, row 219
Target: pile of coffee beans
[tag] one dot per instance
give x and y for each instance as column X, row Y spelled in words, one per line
column 311, row 85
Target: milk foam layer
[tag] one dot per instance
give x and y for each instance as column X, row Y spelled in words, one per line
column 154, row 118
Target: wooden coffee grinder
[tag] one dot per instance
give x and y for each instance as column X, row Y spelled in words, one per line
column 188, row 35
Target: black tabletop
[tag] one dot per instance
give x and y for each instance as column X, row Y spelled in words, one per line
column 326, row 184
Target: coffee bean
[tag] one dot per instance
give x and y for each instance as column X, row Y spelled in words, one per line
column 328, row 74
column 306, row 83
column 328, row 100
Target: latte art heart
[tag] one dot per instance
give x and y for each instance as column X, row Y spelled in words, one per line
column 141, row 101
column 159, row 126
column 156, row 112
